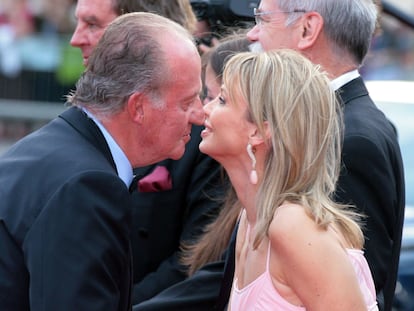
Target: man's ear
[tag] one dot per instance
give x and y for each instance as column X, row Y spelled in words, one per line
column 135, row 107
column 311, row 27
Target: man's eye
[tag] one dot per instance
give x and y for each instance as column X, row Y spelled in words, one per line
column 92, row 25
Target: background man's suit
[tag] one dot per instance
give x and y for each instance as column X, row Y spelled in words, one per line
column 373, row 179
column 64, row 221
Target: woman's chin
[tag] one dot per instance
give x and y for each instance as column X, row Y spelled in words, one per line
column 204, row 146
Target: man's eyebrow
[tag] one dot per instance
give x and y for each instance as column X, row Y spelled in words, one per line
column 91, row 19
column 191, row 97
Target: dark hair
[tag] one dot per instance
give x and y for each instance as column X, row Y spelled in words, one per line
column 215, row 238
column 228, row 47
column 217, row 56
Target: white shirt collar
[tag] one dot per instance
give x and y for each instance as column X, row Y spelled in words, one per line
column 123, row 166
column 344, row 79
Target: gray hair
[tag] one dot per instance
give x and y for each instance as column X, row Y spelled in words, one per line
column 129, row 58
column 349, row 24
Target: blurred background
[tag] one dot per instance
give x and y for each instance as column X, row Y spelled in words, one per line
column 37, row 64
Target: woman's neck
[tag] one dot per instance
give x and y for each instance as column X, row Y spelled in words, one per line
column 245, row 190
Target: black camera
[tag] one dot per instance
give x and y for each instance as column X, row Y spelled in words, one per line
column 222, row 14
column 227, row 11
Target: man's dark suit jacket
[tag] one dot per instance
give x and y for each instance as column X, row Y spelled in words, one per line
column 162, row 220
column 64, row 221
column 372, row 178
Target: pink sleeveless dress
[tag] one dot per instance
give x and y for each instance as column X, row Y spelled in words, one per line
column 261, row 295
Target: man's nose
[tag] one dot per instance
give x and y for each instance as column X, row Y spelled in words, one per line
column 197, row 113
column 252, row 34
column 77, row 37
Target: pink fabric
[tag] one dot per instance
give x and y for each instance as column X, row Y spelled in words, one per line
column 158, row 180
column 261, row 295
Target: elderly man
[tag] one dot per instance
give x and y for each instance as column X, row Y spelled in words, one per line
column 170, row 214
column 65, row 216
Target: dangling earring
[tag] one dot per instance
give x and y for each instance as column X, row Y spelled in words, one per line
column 253, row 173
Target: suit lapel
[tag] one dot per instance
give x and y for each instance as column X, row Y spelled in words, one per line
column 89, row 130
column 352, row 90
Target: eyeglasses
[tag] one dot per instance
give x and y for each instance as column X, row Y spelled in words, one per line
column 258, row 15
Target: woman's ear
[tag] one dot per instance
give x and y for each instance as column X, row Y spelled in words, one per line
column 311, row 27
column 256, row 138
column 135, row 107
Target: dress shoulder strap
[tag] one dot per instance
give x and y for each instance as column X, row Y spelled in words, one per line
column 268, row 257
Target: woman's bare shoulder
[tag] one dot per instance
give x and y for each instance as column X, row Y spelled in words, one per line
column 291, row 225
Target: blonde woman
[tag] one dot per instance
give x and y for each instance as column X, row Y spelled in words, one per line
column 276, row 128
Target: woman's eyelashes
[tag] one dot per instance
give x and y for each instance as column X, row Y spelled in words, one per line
column 222, row 100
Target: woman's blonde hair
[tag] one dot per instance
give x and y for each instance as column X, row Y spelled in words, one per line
column 293, row 96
